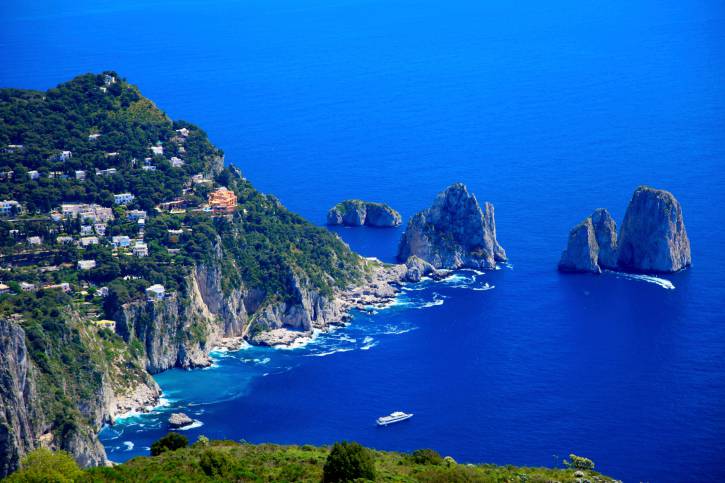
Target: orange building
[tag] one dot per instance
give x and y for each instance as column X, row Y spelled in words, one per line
column 222, row 201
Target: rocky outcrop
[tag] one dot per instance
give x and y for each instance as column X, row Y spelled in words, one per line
column 653, row 236
column 582, row 251
column 359, row 213
column 453, row 233
column 605, row 230
column 417, row 268
column 178, row 420
column 592, row 245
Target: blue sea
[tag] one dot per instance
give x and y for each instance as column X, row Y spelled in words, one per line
column 548, row 110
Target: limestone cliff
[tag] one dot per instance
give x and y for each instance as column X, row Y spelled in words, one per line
column 453, row 233
column 359, row 213
column 653, row 236
column 30, row 418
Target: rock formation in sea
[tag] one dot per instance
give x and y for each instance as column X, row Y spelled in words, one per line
column 592, row 244
column 359, row 213
column 652, row 238
column 455, row 232
column 582, row 251
column 178, row 420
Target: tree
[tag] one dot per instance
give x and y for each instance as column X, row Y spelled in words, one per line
column 347, row 462
column 426, row 457
column 44, row 465
column 170, row 442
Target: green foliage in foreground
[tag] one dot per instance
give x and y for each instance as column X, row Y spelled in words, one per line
column 230, row 461
column 170, row 442
column 348, row 462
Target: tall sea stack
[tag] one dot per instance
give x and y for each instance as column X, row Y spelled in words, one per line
column 453, row 233
column 653, row 236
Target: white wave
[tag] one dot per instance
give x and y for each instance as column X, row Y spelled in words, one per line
column 477, row 272
column 262, row 362
column 195, row 424
column 485, row 287
column 398, row 331
column 662, row 282
column 408, row 288
column 214, row 365
column 368, row 343
column 129, row 445
column 299, row 342
column 329, row 353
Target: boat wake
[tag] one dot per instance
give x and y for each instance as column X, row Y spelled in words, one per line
column 662, row 282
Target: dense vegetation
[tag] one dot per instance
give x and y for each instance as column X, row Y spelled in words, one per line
column 230, row 461
column 120, row 142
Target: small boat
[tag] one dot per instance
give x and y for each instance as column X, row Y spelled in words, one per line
column 394, row 417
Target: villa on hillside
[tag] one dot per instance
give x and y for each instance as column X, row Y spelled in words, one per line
column 123, row 198
column 222, row 201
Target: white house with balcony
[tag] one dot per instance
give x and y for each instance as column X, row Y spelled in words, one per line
column 123, row 198
column 155, row 292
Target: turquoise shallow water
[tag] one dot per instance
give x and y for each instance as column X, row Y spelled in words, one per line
column 547, row 110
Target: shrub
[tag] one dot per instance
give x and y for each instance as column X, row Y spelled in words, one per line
column 215, row 463
column 426, row 457
column 347, row 462
column 44, row 465
column 579, row 463
column 170, row 442
column 202, row 441
column 450, row 461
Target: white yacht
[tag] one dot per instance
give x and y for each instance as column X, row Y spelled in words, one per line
column 394, row 417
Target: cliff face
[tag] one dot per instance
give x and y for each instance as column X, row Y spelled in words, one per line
column 653, row 236
column 453, row 233
column 27, row 421
column 359, row 213
column 20, row 421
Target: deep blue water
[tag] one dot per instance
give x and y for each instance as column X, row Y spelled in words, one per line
column 547, row 109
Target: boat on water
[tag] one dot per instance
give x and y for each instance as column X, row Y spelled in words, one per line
column 394, row 417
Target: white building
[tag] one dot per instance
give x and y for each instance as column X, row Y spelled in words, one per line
column 34, row 240
column 80, row 174
column 86, row 230
column 176, row 162
column 86, row 264
column 27, row 287
column 156, row 292
column 135, row 214
column 93, row 137
column 4, row 288
column 65, row 156
column 100, row 229
column 121, row 241
column 33, row 175
column 123, row 198
column 106, row 172
column 93, row 212
column 89, row 240
column 64, row 239
column 183, row 131
column 9, row 207
column 157, row 150
column 140, row 249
